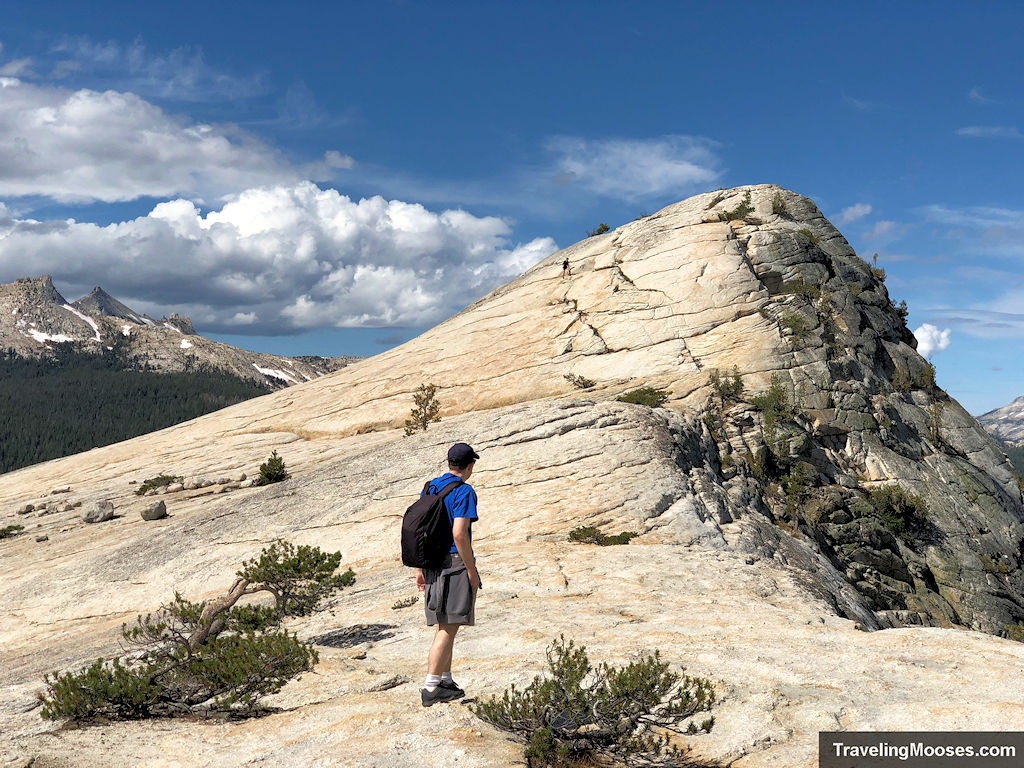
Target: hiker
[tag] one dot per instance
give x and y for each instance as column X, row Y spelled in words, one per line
column 565, row 268
column 450, row 591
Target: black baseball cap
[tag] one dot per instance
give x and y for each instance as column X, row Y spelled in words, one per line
column 461, row 454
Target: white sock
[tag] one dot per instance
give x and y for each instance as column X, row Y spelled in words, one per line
column 446, row 677
column 432, row 682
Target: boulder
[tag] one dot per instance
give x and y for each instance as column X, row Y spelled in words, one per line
column 99, row 512
column 175, row 487
column 155, row 511
column 61, row 489
column 26, row 508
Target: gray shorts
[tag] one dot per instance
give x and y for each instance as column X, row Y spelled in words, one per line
column 448, row 597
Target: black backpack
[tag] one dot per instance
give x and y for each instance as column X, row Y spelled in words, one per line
column 426, row 529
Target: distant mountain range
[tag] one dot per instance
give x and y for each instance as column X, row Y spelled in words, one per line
column 1006, row 423
column 35, row 317
column 76, row 375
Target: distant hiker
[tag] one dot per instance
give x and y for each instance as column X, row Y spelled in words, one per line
column 450, row 588
column 565, row 268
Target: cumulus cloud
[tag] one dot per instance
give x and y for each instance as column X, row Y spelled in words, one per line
column 991, row 132
column 280, row 259
column 82, row 146
column 853, row 212
column 930, row 339
column 634, row 169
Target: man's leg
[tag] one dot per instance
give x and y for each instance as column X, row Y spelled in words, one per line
column 440, row 659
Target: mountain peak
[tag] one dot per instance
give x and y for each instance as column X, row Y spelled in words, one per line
column 99, row 302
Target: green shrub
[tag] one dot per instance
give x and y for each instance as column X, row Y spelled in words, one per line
column 578, row 711
column 879, row 274
column 1015, row 632
column 648, row 396
column 715, row 201
column 405, row 602
column 589, row 534
column 898, row 509
column 924, row 377
column 599, row 230
column 726, row 387
column 809, row 235
column 902, row 310
column 214, row 655
column 157, row 482
column 989, row 566
column 779, row 205
column 9, row 531
column 802, row 288
column 900, row 380
column 425, row 410
column 796, row 324
column 774, row 402
column 272, row 470
column 741, row 211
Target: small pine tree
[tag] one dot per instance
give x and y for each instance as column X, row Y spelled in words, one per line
column 272, row 470
column 600, row 230
column 425, row 411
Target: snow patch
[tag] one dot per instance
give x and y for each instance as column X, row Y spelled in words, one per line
column 42, row 338
column 168, row 325
column 186, row 344
column 126, row 330
column 275, row 373
column 89, row 320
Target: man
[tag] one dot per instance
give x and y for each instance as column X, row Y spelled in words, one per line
column 450, row 591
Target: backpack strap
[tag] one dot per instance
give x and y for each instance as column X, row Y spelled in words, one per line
column 444, row 491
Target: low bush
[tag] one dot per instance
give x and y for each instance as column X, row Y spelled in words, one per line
column 741, row 211
column 405, row 602
column 900, row 380
column 990, row 566
column 648, row 396
column 157, row 482
column 809, row 235
column 898, row 509
column 578, row 712
column 924, row 377
column 210, row 655
column 779, row 205
column 803, row 288
column 599, row 230
column 796, row 324
column 774, row 402
column 580, row 382
column 726, row 387
column 589, row 534
column 272, row 470
column 1015, row 632
column 715, row 201
column 9, row 531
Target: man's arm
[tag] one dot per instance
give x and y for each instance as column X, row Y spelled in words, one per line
column 460, row 532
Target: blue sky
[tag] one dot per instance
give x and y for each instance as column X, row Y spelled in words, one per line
column 333, row 178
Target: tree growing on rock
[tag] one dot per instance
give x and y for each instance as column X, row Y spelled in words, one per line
column 208, row 655
column 579, row 711
column 425, row 411
column 272, row 470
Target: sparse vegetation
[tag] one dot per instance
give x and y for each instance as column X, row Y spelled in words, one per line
column 795, row 324
column 990, row 566
column 726, row 387
column 796, row 484
column 405, row 602
column 741, row 211
column 272, row 470
column 599, row 230
column 580, row 382
column 589, row 534
column 898, row 509
column 924, row 377
column 157, row 482
column 779, row 205
column 425, row 411
column 802, row 288
column 653, row 398
column 9, row 531
column 577, row 711
column 210, row 655
column 1015, row 632
column 809, row 235
column 902, row 310
column 900, row 380
column 715, row 201
column 774, row 402
column 935, row 421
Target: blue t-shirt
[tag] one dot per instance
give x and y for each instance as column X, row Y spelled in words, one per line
column 459, row 503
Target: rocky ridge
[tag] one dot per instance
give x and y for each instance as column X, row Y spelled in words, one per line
column 719, row 577
column 1006, row 423
column 34, row 316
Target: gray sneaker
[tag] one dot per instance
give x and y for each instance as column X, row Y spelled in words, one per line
column 452, row 686
column 429, row 698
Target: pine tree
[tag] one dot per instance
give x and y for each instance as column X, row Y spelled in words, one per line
column 272, row 470
column 425, row 411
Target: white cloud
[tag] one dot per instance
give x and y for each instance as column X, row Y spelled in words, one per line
column 852, row 213
column 880, row 230
column 79, row 146
column 634, row 169
column 991, row 132
column 288, row 257
column 976, row 95
column 16, row 67
column 930, row 339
